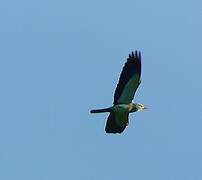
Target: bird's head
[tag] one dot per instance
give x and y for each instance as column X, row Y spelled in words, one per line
column 140, row 107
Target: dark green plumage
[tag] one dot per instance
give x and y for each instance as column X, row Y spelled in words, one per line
column 131, row 68
column 128, row 83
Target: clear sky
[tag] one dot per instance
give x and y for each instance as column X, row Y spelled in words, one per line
column 59, row 59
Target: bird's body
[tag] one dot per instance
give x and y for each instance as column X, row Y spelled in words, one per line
column 122, row 108
column 124, row 93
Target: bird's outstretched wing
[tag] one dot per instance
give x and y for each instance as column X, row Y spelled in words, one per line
column 116, row 122
column 129, row 79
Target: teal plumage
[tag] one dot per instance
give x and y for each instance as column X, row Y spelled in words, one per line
column 129, row 81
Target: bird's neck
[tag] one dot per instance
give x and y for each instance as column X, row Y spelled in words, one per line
column 132, row 107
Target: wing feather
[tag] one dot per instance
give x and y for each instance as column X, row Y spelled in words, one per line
column 116, row 123
column 129, row 79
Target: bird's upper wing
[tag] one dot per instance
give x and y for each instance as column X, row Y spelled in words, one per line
column 129, row 79
column 116, row 122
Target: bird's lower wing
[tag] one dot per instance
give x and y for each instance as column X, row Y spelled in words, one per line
column 116, row 122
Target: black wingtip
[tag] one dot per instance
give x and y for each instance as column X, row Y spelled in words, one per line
column 137, row 54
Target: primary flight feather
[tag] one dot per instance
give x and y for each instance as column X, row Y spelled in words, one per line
column 129, row 81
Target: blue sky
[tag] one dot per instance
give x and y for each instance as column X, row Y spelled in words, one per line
column 61, row 58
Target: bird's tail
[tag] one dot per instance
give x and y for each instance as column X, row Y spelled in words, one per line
column 100, row 110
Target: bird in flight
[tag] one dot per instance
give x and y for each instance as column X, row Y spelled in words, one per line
column 129, row 81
